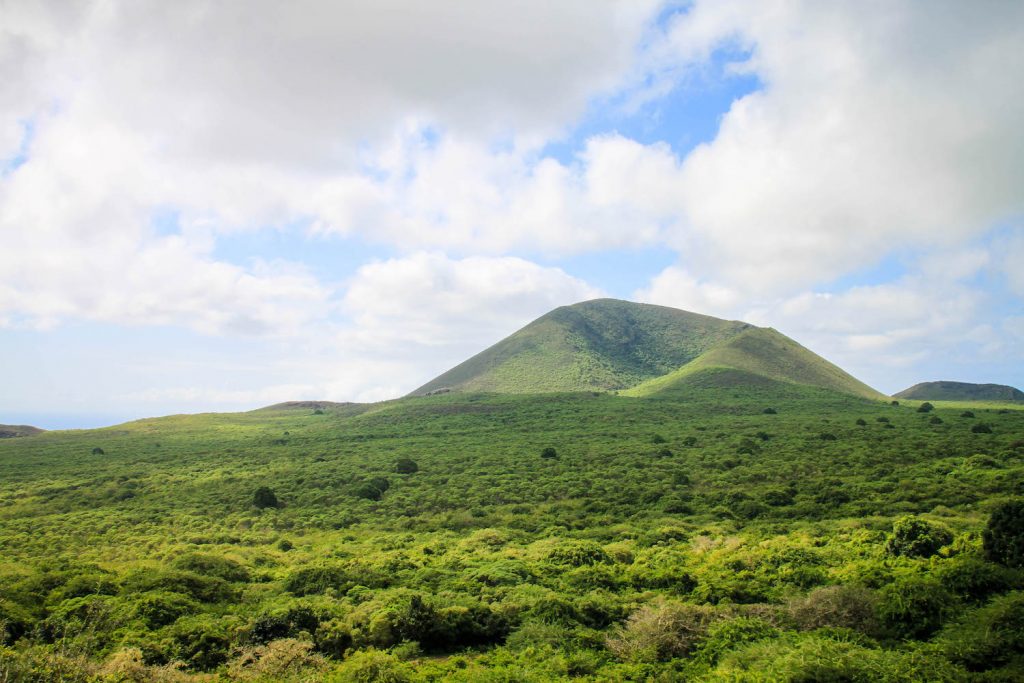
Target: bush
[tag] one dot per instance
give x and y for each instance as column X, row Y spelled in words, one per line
column 925, row 407
column 372, row 666
column 549, row 453
column 967, row 413
column 578, row 554
column 98, row 451
column 368, row 491
column 974, row 580
column 852, row 607
column 981, row 428
column 202, row 588
column 660, row 631
column 915, row 537
column 212, row 565
column 914, row 606
column 406, row 466
column 160, row 608
column 725, row 636
column 861, row 422
column 263, row 497
column 935, row 420
column 1003, row 538
column 988, row 637
column 769, row 411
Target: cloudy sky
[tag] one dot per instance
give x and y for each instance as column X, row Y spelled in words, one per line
column 216, row 206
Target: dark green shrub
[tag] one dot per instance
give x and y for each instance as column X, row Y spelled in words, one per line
column 318, row 411
column 916, row 537
column 690, row 441
column 935, row 420
column 861, row 422
column 894, row 403
column 827, row 436
column 312, row 580
column 212, row 565
column 381, row 483
column 202, row 643
column 264, row 497
column 160, row 608
column 914, row 606
column 770, row 411
column 549, row 453
column 578, row 554
column 725, row 636
column 925, row 407
column 98, row 451
column 368, row 491
column 981, row 428
column 664, row 453
column 779, row 497
column 975, row 580
column 203, row 588
column 881, row 419
column 1003, row 538
column 988, row 637
column 406, row 466
column 967, row 413
column 283, row 624
column 658, row 438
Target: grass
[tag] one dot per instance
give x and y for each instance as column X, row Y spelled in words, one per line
column 492, row 562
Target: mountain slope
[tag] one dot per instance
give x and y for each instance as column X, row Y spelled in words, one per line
column 755, row 355
column 603, row 344
column 961, row 391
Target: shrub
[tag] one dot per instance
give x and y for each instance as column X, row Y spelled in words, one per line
column 1003, row 538
column 988, row 637
column 981, row 428
column 161, row 608
column 727, row 635
column 914, row 606
column 549, row 453
column 202, row 588
column 974, row 580
column 660, row 631
column 935, row 420
column 368, row 491
column 690, row 441
column 852, row 607
column 769, row 411
column 98, row 451
column 406, row 466
column 212, row 565
column 827, row 436
column 925, row 407
column 372, row 666
column 967, row 413
column 657, row 438
column 264, row 497
column 282, row 659
column 201, row 642
column 915, row 537
column 578, row 554
column 861, row 422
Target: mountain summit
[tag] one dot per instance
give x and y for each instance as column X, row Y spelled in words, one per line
column 610, row 345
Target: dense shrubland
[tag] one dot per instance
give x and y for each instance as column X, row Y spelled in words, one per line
column 521, row 538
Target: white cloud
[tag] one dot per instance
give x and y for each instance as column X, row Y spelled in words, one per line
column 875, row 130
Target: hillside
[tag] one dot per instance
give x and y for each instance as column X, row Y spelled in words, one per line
column 961, row 391
column 528, row 537
column 13, row 431
column 641, row 350
column 753, row 356
column 603, row 344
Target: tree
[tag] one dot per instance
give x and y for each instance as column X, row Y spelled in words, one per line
column 925, row 407
column 1003, row 538
column 549, row 453
column 406, row 466
column 915, row 537
column 264, row 498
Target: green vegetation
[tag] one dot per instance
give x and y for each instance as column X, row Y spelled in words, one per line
column 690, row 535
column 15, row 431
column 961, row 391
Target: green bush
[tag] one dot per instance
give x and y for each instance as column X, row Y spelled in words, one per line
column 988, row 637
column 1003, row 538
column 914, row 606
column 406, row 466
column 372, row 666
column 263, row 498
column 974, row 580
column 202, row 588
column 212, row 565
column 925, row 407
column 161, row 608
column 727, row 635
column 916, row 537
column 549, row 453
column 981, row 428
column 578, row 553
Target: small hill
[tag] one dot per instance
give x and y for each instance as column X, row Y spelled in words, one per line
column 755, row 356
column 961, row 391
column 641, row 350
column 604, row 344
column 13, row 431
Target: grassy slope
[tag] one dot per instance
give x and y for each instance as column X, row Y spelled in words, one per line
column 755, row 355
column 961, row 391
column 681, row 492
column 14, row 431
column 596, row 345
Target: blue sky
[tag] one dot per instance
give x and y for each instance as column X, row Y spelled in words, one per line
column 196, row 223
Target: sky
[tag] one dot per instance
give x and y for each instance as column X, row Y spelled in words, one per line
column 219, row 206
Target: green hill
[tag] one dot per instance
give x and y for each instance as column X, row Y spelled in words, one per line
column 961, row 391
column 603, row 344
column 639, row 348
column 753, row 357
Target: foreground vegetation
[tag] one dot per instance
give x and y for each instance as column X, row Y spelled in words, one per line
column 729, row 533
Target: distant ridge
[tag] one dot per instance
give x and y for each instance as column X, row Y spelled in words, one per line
column 961, row 391
column 640, row 350
column 14, row 431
